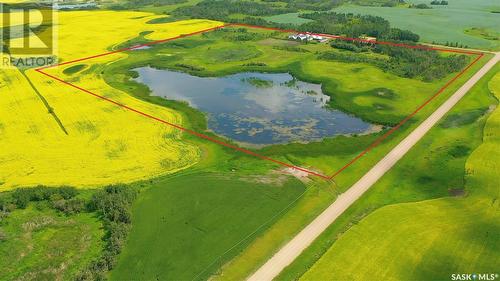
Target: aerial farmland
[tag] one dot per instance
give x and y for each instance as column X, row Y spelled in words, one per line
column 248, row 140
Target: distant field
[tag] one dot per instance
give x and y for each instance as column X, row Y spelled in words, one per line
column 14, row 1
column 184, row 225
column 91, row 143
column 430, row 239
column 442, row 23
column 292, row 18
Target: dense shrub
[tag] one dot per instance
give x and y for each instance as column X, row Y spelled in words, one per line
column 420, row 6
column 427, row 65
column 255, row 64
column 355, row 26
column 69, row 207
column 22, row 196
column 113, row 205
column 350, row 46
column 437, row 2
column 313, row 5
column 343, row 57
column 189, row 67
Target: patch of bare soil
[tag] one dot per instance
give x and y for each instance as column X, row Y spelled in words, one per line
column 301, row 175
column 456, row 192
column 278, row 42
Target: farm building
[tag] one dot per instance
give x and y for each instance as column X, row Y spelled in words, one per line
column 307, row 37
column 368, row 38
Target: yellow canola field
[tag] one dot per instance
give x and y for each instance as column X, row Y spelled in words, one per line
column 83, row 34
column 104, row 144
column 17, row 18
column 14, row 1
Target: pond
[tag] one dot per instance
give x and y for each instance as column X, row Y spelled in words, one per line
column 256, row 108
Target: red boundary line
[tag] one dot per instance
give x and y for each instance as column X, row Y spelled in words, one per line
column 203, row 136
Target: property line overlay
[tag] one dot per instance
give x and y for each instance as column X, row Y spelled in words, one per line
column 249, row 152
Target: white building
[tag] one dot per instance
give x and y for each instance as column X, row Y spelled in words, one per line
column 307, row 37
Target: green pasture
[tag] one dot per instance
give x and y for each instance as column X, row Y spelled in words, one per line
column 441, row 24
column 440, row 207
column 427, row 240
column 187, row 226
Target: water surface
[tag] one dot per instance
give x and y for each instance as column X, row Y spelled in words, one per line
column 256, row 108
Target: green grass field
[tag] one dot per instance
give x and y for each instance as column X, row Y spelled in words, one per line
column 442, row 23
column 185, row 226
column 441, row 207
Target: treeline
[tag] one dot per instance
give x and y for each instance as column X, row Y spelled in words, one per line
column 322, row 22
column 349, row 25
column 345, row 57
column 313, row 5
column 134, row 4
column 437, row 2
column 221, row 10
column 264, row 5
column 59, row 198
column 112, row 205
column 349, row 46
column 453, row 44
column 419, row 6
column 378, row 3
column 352, row 25
column 427, row 65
